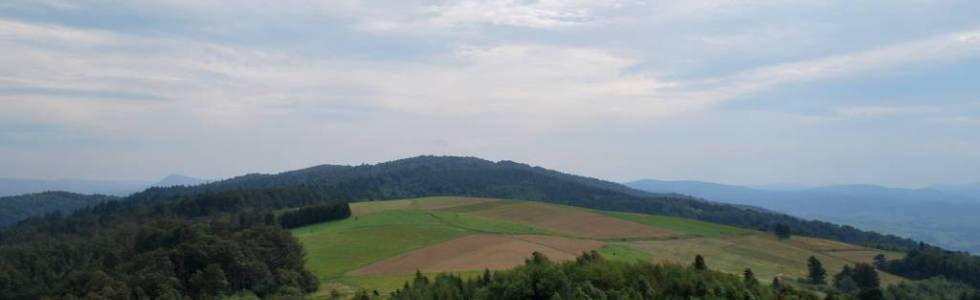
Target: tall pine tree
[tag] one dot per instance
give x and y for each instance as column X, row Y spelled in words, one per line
column 817, row 275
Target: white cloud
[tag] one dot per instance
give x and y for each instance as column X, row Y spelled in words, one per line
column 535, row 14
column 531, row 86
column 548, row 84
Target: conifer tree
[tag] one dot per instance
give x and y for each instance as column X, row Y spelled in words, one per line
column 699, row 263
column 817, row 275
column 749, row 278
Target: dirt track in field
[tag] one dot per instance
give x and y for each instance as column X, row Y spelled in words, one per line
column 573, row 222
column 478, row 252
column 451, row 202
column 570, row 246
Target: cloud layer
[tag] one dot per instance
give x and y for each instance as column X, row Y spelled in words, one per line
column 109, row 90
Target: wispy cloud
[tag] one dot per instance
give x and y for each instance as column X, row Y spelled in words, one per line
column 937, row 49
column 535, row 14
column 536, row 85
column 463, row 76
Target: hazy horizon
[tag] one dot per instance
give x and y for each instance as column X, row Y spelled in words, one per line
column 759, row 185
column 745, row 93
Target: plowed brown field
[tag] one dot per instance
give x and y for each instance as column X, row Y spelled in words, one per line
column 572, row 222
column 479, row 251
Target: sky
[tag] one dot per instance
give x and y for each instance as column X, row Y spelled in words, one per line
column 740, row 92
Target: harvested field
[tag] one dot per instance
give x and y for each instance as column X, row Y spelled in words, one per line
column 370, row 207
column 571, row 246
column 765, row 255
column 387, row 241
column 477, row 224
column 530, row 212
column 864, row 255
column 681, row 226
column 430, row 203
column 475, row 252
column 434, row 203
column 572, row 222
column 479, row 206
column 822, row 245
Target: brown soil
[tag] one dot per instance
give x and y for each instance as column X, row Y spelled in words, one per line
column 478, row 252
column 573, row 222
column 451, row 202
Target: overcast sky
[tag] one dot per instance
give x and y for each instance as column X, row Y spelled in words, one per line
column 742, row 92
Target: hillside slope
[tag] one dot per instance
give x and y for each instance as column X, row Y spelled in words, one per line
column 185, row 237
column 388, row 241
column 465, row 176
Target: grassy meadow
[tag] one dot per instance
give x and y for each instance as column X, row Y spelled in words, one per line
column 383, row 231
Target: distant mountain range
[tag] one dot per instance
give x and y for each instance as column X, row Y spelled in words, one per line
column 23, row 198
column 943, row 214
column 16, row 208
column 178, row 180
column 21, row 186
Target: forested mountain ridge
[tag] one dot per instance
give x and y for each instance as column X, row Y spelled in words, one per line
column 16, row 208
column 22, row 186
column 467, row 176
column 39, row 197
column 329, row 174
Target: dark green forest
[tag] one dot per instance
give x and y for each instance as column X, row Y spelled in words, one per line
column 929, row 261
column 16, row 208
column 314, row 214
column 936, row 288
column 200, row 247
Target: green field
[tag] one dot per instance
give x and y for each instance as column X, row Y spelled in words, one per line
column 685, row 226
column 391, row 228
column 336, row 248
column 382, row 230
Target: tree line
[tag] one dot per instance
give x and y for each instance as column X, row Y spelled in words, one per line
column 862, row 282
column 314, row 214
column 928, row 261
column 592, row 277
